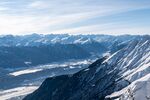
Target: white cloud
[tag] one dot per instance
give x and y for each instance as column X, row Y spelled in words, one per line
column 38, row 5
column 41, row 24
column 3, row 8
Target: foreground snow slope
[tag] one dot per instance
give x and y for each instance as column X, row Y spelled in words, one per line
column 137, row 90
column 134, row 67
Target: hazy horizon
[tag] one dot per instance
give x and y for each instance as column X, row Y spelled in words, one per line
column 70, row 34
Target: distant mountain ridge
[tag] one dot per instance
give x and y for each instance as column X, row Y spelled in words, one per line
column 39, row 39
column 38, row 49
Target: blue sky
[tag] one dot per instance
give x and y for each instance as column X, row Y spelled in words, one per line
column 75, row 16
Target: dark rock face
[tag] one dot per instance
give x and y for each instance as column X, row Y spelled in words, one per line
column 92, row 83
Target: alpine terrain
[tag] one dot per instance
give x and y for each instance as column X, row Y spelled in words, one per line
column 122, row 75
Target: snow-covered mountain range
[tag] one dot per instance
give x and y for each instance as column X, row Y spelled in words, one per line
column 37, row 49
column 125, row 75
column 40, row 39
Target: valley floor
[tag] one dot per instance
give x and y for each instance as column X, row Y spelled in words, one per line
column 16, row 83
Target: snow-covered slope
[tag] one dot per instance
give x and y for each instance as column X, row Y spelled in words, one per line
column 135, row 69
column 132, row 60
column 137, row 90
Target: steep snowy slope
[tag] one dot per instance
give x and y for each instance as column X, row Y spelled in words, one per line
column 137, row 90
column 132, row 59
column 128, row 67
column 135, row 69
